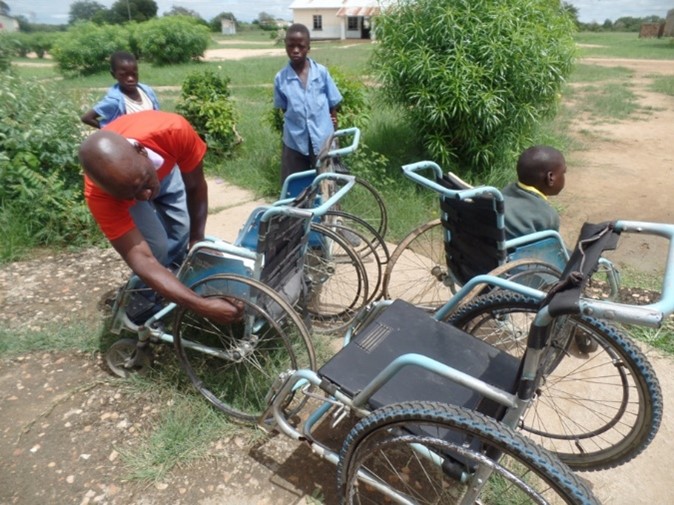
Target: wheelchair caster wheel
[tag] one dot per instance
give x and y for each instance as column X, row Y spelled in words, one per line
column 584, row 341
column 124, row 358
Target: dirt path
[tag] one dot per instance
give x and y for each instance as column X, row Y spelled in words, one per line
column 65, row 423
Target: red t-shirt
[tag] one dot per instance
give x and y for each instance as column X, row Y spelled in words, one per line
column 165, row 133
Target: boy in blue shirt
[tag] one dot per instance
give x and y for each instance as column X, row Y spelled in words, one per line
column 541, row 173
column 308, row 97
column 125, row 97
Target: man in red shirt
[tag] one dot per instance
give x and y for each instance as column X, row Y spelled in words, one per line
column 145, row 187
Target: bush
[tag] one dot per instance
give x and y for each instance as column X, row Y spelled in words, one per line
column 86, row 48
column 172, row 39
column 41, row 192
column 6, row 52
column 205, row 102
column 474, row 76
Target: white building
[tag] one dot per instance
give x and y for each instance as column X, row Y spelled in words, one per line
column 337, row 19
column 8, row 24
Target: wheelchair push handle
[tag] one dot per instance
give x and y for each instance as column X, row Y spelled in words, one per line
column 282, row 208
column 411, row 171
column 355, row 140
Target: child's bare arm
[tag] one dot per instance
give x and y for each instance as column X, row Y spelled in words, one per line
column 91, row 118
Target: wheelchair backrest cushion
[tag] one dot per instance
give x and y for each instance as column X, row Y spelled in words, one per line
column 476, row 244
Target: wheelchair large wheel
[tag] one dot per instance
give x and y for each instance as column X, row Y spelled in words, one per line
column 369, row 246
column 374, row 244
column 422, row 453
column 364, row 201
column 417, row 271
column 595, row 411
column 337, row 279
column 234, row 365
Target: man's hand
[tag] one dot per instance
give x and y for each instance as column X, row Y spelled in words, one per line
column 222, row 310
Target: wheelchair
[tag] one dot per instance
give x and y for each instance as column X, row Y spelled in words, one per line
column 264, row 269
column 434, row 414
column 469, row 239
column 360, row 218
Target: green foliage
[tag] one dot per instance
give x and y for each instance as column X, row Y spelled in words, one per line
column 6, row 53
column 85, row 10
column 86, row 48
column 124, row 11
column 171, row 40
column 205, row 102
column 475, row 76
column 41, row 190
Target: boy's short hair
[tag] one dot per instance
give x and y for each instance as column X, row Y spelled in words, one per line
column 534, row 164
column 119, row 56
column 298, row 28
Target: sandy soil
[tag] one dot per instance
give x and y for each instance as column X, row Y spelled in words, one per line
column 65, row 423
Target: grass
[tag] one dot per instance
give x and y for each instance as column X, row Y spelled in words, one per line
column 623, row 45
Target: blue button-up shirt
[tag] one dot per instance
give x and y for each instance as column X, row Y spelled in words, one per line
column 307, row 111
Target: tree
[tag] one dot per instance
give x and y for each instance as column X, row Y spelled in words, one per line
column 182, row 11
column 266, row 21
column 215, row 23
column 84, row 10
column 475, row 77
column 123, row 11
column 572, row 11
column 4, row 8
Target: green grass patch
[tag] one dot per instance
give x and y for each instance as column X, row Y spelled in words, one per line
column 583, row 72
column 622, row 45
column 663, row 84
column 81, row 336
column 182, row 434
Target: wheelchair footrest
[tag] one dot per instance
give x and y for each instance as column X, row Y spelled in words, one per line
column 403, row 328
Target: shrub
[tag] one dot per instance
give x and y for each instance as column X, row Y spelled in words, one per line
column 6, row 52
column 172, row 39
column 205, row 102
column 86, row 48
column 41, row 190
column 474, row 76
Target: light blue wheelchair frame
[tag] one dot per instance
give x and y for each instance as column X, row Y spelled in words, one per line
column 544, row 247
column 651, row 315
column 238, row 258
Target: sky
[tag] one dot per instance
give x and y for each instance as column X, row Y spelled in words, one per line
column 56, row 11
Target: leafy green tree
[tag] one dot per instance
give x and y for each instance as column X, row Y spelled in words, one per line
column 266, row 21
column 172, row 39
column 572, row 11
column 123, row 11
column 86, row 48
column 215, row 23
column 41, row 192
column 475, row 77
column 85, row 10
column 205, row 102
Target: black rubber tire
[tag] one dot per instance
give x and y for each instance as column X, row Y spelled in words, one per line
column 417, row 271
column 373, row 255
column 375, row 242
column 594, row 411
column 388, row 447
column 337, row 280
column 120, row 354
column 365, row 202
column 242, row 359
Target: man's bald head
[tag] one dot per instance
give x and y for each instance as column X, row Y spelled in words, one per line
column 114, row 164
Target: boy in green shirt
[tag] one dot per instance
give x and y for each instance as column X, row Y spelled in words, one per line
column 541, row 173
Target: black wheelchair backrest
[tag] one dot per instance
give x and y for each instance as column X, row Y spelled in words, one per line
column 476, row 243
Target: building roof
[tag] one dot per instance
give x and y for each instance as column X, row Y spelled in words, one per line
column 365, row 7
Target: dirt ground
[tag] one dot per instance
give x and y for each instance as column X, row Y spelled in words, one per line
column 65, row 423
